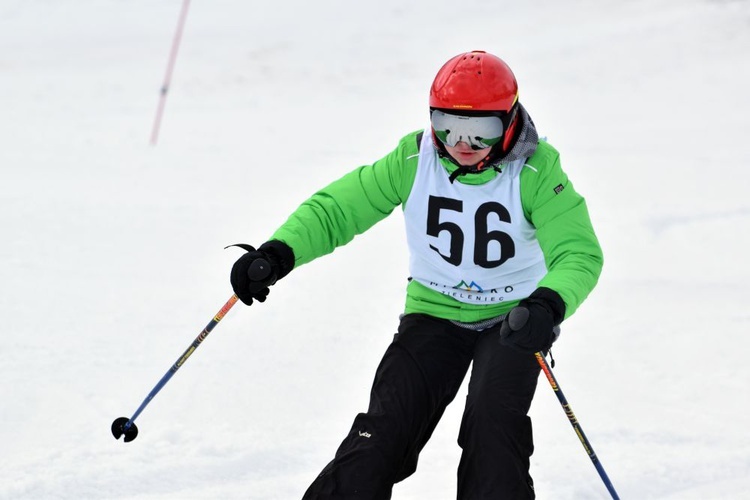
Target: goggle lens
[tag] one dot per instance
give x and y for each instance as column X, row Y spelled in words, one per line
column 479, row 132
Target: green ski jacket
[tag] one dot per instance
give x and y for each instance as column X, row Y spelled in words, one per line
column 349, row 206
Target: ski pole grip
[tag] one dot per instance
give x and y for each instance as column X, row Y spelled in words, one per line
column 259, row 270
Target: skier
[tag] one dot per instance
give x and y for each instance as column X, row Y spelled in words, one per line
column 502, row 250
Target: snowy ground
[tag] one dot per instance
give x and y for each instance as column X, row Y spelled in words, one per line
column 112, row 255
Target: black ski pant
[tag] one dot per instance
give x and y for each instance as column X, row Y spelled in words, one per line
column 419, row 375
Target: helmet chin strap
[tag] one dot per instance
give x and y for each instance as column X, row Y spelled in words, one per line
column 467, row 169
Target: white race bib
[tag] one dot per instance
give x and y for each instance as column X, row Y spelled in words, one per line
column 470, row 242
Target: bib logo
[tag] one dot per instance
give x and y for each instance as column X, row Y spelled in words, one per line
column 472, row 292
column 470, row 287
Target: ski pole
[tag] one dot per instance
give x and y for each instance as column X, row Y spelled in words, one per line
column 574, row 422
column 259, row 270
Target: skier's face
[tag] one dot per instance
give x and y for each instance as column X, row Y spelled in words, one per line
column 465, row 155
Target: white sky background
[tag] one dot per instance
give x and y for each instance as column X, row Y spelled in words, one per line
column 112, row 255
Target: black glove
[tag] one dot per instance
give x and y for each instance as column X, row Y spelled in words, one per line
column 257, row 270
column 530, row 326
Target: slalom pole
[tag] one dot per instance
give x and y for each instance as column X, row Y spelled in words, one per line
column 574, row 422
column 259, row 270
column 168, row 76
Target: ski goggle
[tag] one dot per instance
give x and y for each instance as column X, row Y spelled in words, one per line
column 479, row 132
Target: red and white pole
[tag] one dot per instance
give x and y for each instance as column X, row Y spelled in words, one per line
column 170, row 68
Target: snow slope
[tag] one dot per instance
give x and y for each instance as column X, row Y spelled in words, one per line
column 112, row 255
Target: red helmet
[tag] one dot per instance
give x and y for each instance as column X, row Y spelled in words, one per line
column 474, row 81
